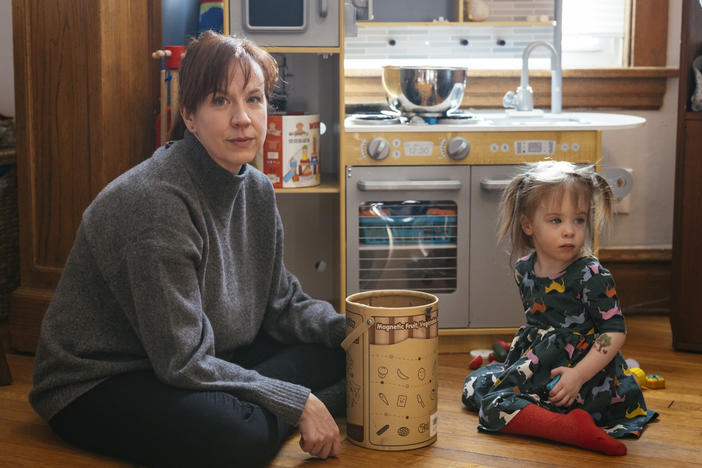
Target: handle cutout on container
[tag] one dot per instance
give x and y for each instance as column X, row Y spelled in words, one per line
column 356, row 332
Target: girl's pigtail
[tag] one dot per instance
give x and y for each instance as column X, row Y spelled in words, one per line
column 603, row 199
column 510, row 209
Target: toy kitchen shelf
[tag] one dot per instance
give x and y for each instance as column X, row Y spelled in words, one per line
column 455, row 16
column 312, row 83
column 456, row 23
column 328, row 185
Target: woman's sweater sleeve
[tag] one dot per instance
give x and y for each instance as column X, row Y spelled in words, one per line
column 156, row 283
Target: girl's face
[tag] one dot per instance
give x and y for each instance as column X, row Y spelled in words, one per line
column 231, row 124
column 557, row 229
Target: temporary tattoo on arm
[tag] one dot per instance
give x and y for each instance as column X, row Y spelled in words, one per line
column 603, row 342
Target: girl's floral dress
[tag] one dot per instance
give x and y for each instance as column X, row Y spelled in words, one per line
column 564, row 317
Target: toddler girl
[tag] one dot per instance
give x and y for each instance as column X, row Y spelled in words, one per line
column 574, row 326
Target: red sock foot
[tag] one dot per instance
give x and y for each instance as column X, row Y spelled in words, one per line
column 575, row 428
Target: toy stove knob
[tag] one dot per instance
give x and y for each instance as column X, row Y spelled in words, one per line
column 378, row 148
column 458, row 148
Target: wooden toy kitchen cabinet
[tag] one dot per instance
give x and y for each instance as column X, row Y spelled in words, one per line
column 307, row 41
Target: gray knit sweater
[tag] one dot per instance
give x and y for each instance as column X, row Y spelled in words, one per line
column 176, row 264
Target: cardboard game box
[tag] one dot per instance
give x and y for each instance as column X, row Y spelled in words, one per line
column 290, row 156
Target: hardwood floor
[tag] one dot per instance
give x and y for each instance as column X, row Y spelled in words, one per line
column 674, row 440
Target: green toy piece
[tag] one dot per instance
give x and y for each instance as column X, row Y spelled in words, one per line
column 500, row 352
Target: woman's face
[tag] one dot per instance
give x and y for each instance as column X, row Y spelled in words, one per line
column 231, row 125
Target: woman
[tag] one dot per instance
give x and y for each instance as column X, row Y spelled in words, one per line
column 176, row 337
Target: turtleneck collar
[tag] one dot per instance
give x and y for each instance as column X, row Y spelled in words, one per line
column 215, row 181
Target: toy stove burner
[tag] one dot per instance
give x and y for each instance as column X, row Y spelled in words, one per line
column 375, row 119
column 459, row 118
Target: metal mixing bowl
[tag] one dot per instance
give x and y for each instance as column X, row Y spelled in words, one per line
column 428, row 91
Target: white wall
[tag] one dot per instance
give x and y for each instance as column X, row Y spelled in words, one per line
column 650, row 152
column 7, row 79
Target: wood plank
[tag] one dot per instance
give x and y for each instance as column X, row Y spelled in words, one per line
column 633, row 267
column 649, row 33
column 672, row 441
column 686, row 313
column 635, row 255
column 686, row 309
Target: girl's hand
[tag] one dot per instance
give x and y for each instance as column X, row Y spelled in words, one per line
column 566, row 390
column 319, row 434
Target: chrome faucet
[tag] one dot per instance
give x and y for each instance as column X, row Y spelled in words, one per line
column 523, row 100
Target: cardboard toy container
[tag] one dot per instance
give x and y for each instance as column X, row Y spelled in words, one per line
column 391, row 344
column 290, row 156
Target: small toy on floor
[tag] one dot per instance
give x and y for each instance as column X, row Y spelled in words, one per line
column 500, row 352
column 480, row 357
column 655, row 381
column 651, row 381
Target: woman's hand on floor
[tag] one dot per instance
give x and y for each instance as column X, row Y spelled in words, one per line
column 319, row 434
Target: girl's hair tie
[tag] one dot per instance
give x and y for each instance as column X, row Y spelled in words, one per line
column 596, row 175
column 524, row 180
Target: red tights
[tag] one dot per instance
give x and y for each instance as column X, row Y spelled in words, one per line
column 575, row 428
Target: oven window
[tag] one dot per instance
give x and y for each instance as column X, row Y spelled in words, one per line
column 408, row 245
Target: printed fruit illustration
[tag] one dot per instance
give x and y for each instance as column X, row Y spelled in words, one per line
column 401, row 375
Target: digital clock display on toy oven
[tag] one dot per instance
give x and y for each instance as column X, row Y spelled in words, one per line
column 535, row 147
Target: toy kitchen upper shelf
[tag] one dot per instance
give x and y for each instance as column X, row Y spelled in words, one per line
column 515, row 24
column 391, row 13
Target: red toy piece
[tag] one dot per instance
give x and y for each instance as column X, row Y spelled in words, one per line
column 476, row 362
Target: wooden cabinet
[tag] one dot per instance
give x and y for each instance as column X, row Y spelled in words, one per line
column 86, row 93
column 686, row 302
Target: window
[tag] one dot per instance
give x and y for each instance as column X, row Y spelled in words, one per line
column 593, row 34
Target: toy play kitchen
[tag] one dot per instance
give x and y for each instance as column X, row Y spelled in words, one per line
column 422, row 186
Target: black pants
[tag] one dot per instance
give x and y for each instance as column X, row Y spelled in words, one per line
column 137, row 418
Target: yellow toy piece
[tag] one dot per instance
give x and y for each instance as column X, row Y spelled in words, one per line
column 655, row 381
column 639, row 374
column 649, row 381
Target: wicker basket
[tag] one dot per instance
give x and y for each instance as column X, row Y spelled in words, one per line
column 9, row 237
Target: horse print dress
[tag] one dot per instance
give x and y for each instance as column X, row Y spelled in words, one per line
column 565, row 317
